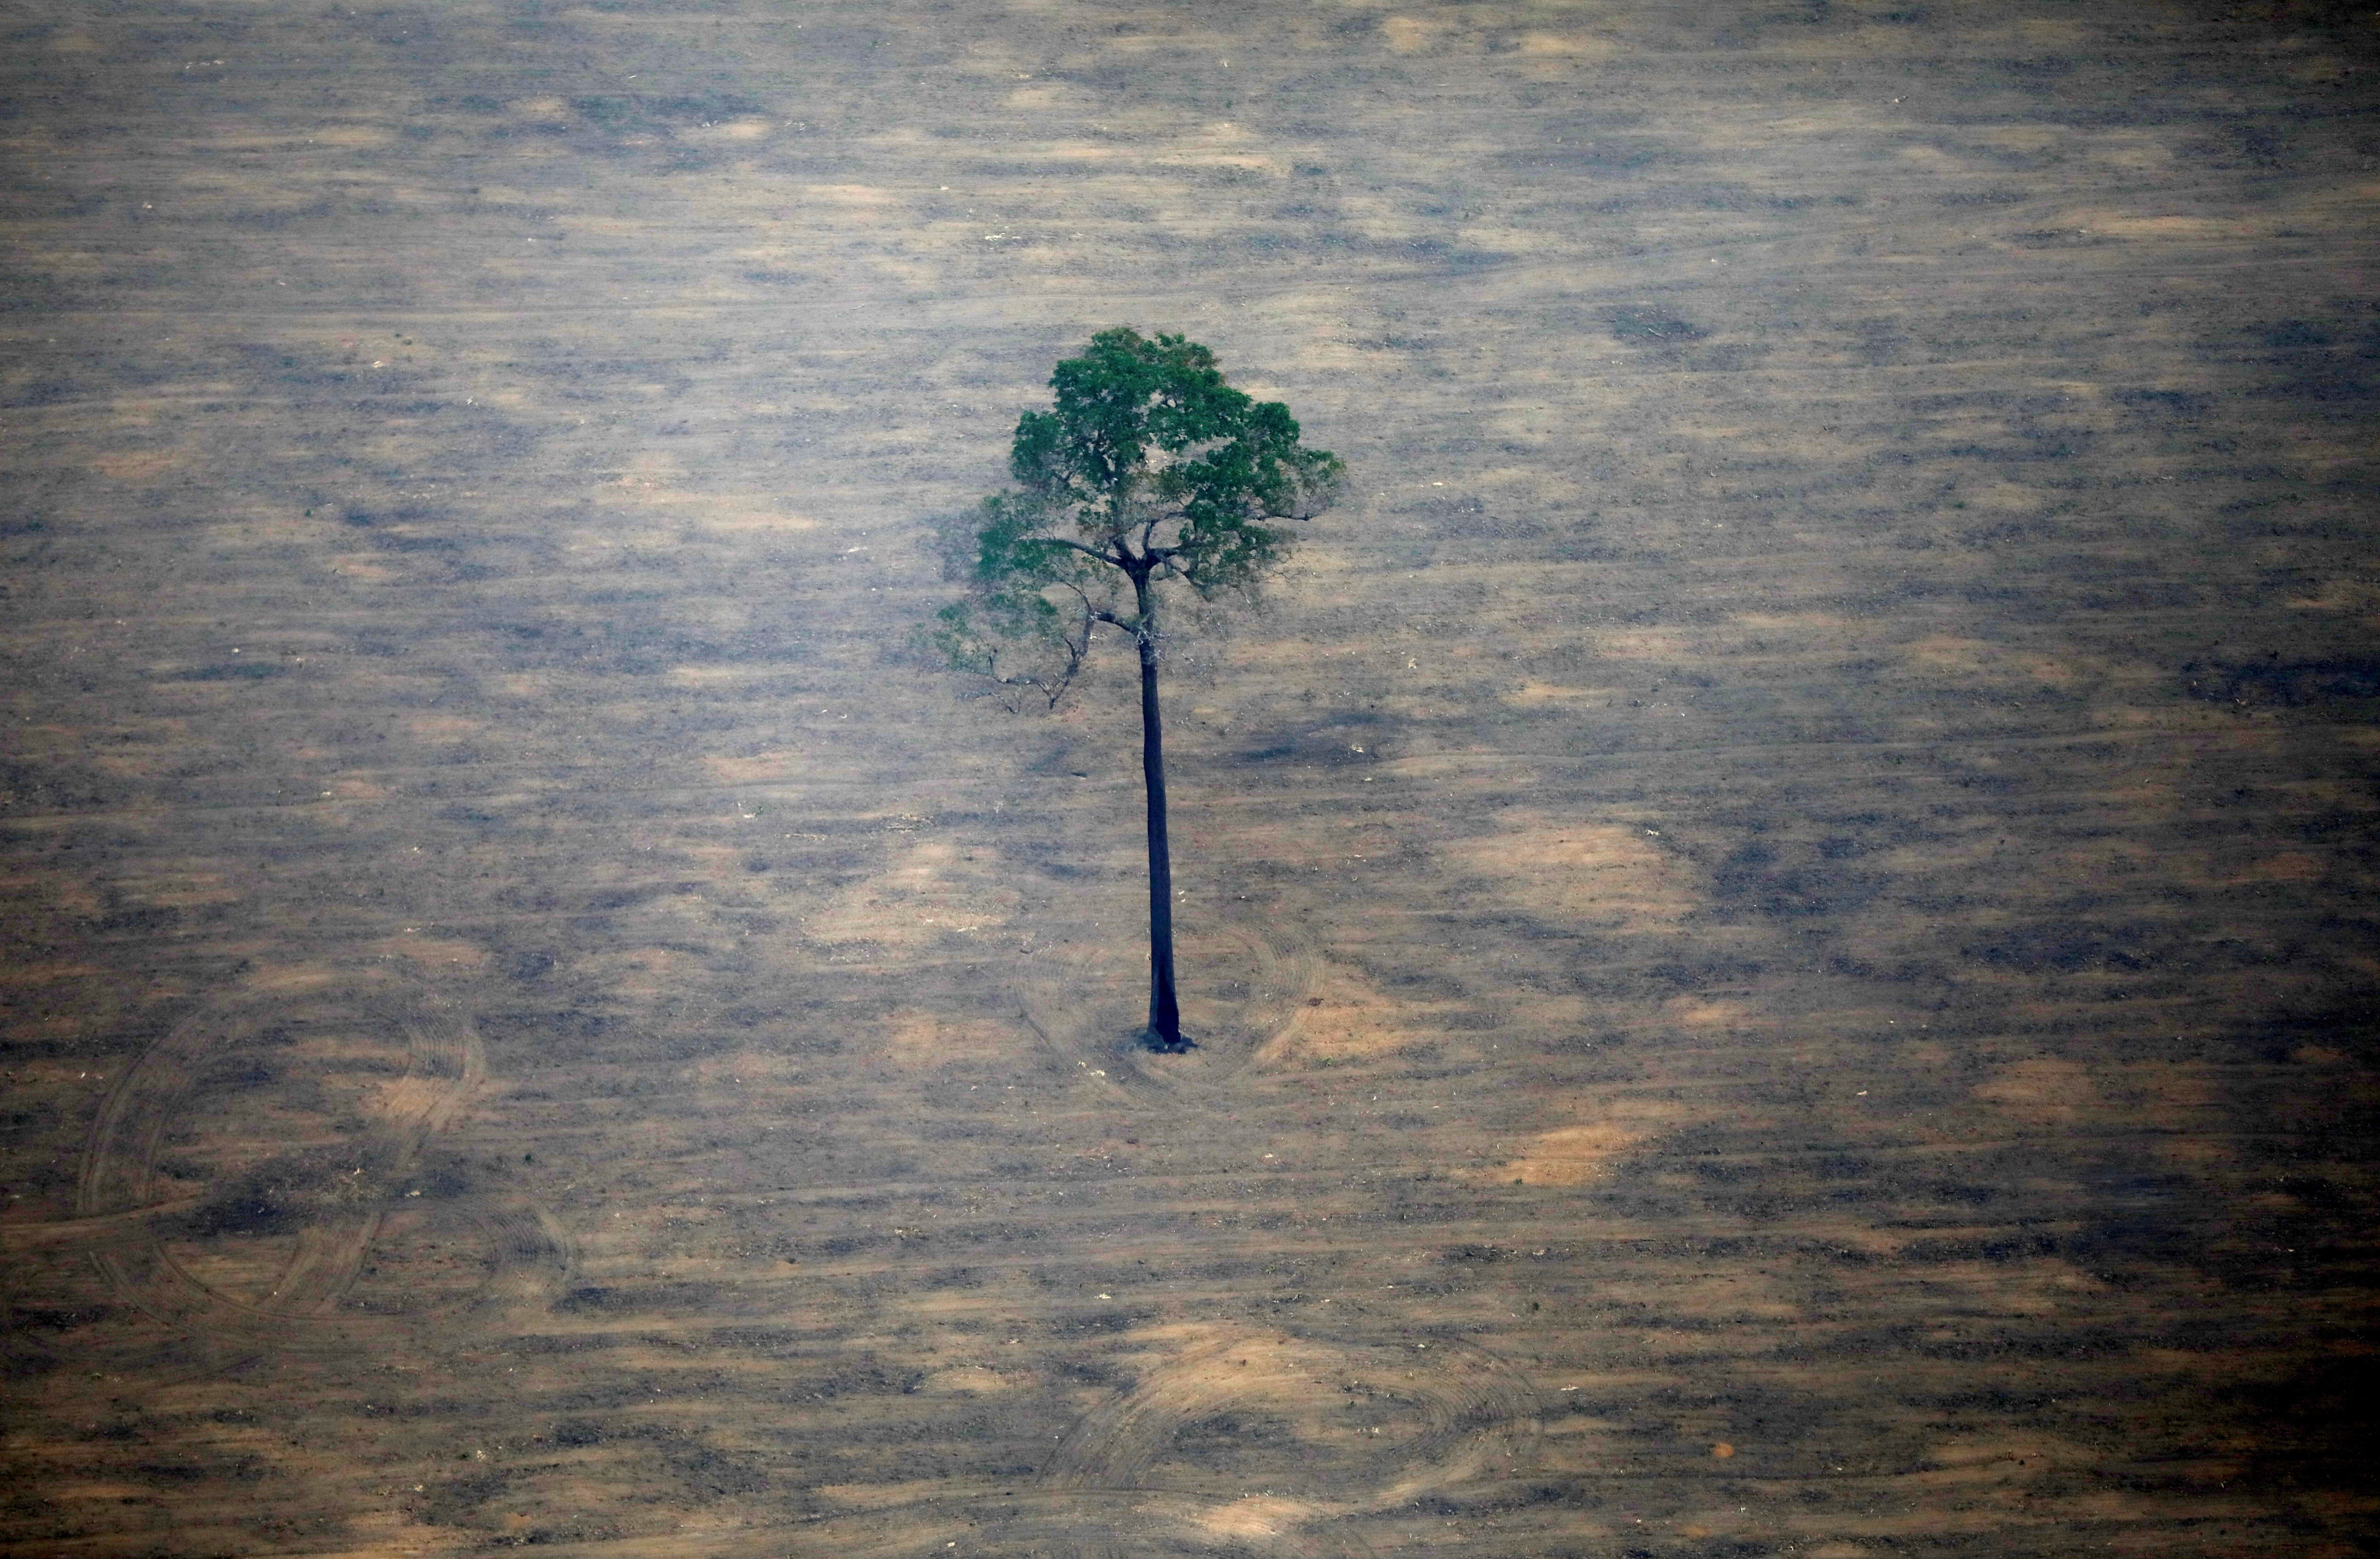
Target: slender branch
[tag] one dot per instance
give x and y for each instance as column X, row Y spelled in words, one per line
column 1086, row 552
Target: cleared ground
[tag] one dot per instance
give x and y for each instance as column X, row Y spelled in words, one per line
column 1781, row 905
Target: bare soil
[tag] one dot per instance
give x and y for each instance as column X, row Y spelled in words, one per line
column 1779, row 911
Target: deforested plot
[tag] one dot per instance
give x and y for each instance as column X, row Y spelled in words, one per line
column 1771, row 910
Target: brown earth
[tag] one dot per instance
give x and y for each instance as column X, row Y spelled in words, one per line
column 1780, row 907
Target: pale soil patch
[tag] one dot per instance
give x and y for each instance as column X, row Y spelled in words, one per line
column 138, row 465
column 1944, row 654
column 1538, row 694
column 934, row 889
column 1645, row 644
column 436, row 955
column 916, row 1040
column 2003, row 1458
column 23, row 974
column 750, row 128
column 2046, row 1092
column 1572, row 1156
column 755, row 769
column 1603, row 875
column 1258, row 1516
column 187, row 888
column 879, row 1496
column 362, row 568
column 1345, row 1016
column 969, row 1379
column 1701, row 1012
column 2044, row 1286
column 443, row 727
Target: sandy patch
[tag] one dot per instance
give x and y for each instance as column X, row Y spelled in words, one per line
column 1257, row 1516
column 1343, row 1016
column 970, row 1379
column 1539, row 693
column 1946, row 655
column 182, row 890
column 753, row 770
column 1605, row 874
column 1572, row 1155
column 2001, row 1458
column 439, row 954
column 1704, row 1012
column 137, row 466
column 936, row 889
column 2044, row 1092
column 443, row 727
column 916, row 1041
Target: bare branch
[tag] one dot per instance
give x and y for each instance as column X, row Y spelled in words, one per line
column 1086, row 552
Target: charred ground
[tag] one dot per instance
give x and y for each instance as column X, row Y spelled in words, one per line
column 1788, row 939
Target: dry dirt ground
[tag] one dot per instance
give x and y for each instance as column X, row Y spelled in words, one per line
column 1781, row 904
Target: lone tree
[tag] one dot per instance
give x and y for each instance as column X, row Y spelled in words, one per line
column 1149, row 474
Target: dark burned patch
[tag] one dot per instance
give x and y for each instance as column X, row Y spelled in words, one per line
column 865, row 1379
column 285, row 1194
column 2317, row 1428
column 1608, row 155
column 2277, row 683
column 2165, row 406
column 32, row 788
column 2067, row 950
column 1348, row 743
column 1092, row 1372
column 233, row 671
column 710, row 1471
column 1225, row 1432
column 43, row 1318
column 1103, row 1323
column 1786, row 881
column 643, row 1299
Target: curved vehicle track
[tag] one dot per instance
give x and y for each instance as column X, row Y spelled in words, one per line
column 1242, row 985
column 358, row 1225
column 1349, row 1423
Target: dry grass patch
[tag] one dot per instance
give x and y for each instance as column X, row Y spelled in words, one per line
column 2046, row 1092
column 1605, row 874
column 1575, row 1156
column 935, row 889
column 921, row 1041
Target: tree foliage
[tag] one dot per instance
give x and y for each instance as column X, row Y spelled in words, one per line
column 1148, row 471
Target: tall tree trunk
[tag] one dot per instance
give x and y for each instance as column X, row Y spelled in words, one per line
column 1164, row 1012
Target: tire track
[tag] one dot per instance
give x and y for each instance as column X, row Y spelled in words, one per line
column 355, row 1229
column 1242, row 986
column 1350, row 1424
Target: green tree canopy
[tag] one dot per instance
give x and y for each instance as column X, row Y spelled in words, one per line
column 1148, row 470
